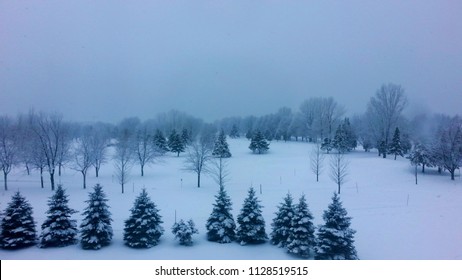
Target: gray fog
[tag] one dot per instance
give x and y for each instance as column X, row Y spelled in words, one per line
column 106, row 60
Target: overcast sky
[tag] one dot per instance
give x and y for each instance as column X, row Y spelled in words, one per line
column 106, row 60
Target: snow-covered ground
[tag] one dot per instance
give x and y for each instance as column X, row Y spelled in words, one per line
column 393, row 217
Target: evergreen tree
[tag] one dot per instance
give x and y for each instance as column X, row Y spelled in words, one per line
column 282, row 223
column 258, row 144
column 142, row 229
column 234, row 132
column 220, row 225
column 18, row 226
column 160, row 142
column 395, row 146
column 301, row 240
column 351, row 138
column 335, row 239
column 96, row 229
column 175, row 144
column 221, row 148
column 184, row 231
column 59, row 229
column 340, row 141
column 251, row 225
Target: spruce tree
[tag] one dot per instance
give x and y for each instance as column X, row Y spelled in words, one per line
column 251, row 225
column 395, row 146
column 175, row 144
column 95, row 229
column 282, row 223
column 221, row 148
column 142, row 229
column 184, row 231
column 335, row 239
column 340, row 141
column 220, row 225
column 301, row 240
column 18, row 226
column 59, row 230
column 160, row 142
column 258, row 143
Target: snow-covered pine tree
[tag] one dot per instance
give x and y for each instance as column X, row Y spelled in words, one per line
column 258, row 143
column 18, row 226
column 251, row 225
column 220, row 225
column 95, row 229
column 175, row 144
column 234, row 132
column 184, row 231
column 221, row 148
column 142, row 229
column 160, row 142
column 59, row 230
column 301, row 240
column 282, row 223
column 395, row 146
column 351, row 138
column 335, row 239
column 340, row 141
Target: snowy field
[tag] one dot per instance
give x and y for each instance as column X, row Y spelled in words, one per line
column 393, row 217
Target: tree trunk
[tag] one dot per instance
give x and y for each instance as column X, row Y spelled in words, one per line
column 5, row 175
column 452, row 174
column 52, row 180
column 178, row 155
column 423, row 168
column 97, row 171
column 142, row 170
column 59, row 170
column 395, row 156
column 27, row 169
column 41, row 177
column 338, row 188
column 84, row 174
column 198, row 179
column 122, row 187
column 416, row 174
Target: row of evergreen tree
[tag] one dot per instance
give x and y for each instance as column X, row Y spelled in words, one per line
column 292, row 227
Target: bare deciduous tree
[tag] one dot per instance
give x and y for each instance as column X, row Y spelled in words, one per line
column 123, row 158
column 50, row 132
column 146, row 152
column 82, row 155
column 317, row 160
column 219, row 171
column 198, row 156
column 384, row 112
column 9, row 151
column 99, row 141
column 338, row 169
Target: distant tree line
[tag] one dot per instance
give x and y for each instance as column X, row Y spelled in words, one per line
column 47, row 143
